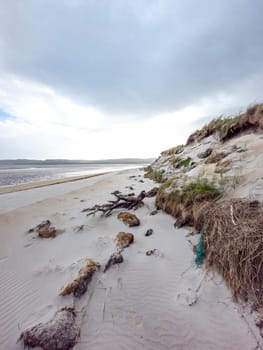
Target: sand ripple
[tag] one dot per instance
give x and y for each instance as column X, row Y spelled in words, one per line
column 16, row 295
column 148, row 302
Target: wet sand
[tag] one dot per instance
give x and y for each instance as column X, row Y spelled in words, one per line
column 37, row 184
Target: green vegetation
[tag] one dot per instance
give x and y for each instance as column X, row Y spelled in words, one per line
column 158, row 175
column 227, row 127
column 222, row 125
column 226, row 124
column 187, row 202
column 181, row 162
column 155, row 175
column 241, row 150
column 167, row 183
column 174, row 150
column 199, row 190
column 201, row 186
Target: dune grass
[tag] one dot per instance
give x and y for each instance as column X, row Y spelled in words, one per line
column 174, row 150
column 227, row 127
column 184, row 202
column 155, row 175
column 181, row 162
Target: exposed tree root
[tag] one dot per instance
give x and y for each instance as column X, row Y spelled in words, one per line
column 123, row 201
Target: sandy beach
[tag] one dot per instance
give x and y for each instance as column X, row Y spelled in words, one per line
column 156, row 302
column 38, row 184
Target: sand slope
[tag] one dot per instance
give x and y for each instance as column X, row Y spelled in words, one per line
column 240, row 172
column 156, row 302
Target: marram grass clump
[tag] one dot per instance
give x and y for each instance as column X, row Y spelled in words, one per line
column 233, row 243
column 181, row 162
column 185, row 202
column 226, row 128
column 167, row 183
column 155, row 175
column 201, row 188
column 174, row 150
column 232, row 233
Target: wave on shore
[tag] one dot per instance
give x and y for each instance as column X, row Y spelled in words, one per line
column 10, row 176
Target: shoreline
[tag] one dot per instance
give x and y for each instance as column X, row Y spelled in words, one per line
column 18, row 198
column 44, row 183
column 56, row 181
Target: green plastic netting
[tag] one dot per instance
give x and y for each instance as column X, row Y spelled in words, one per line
column 200, row 253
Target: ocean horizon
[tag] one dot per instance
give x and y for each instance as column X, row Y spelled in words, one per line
column 15, row 174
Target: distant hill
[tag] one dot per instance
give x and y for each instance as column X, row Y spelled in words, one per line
column 72, row 161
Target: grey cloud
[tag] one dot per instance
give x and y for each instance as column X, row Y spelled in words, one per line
column 134, row 56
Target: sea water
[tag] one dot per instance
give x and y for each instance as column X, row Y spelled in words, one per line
column 20, row 174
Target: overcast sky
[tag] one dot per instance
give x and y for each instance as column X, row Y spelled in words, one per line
column 93, row 79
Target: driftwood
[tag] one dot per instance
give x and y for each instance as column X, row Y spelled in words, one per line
column 152, row 192
column 122, row 201
column 59, row 333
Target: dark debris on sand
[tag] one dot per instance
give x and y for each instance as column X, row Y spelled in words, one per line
column 59, row 333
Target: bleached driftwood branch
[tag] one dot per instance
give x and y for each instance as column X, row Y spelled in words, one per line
column 122, row 201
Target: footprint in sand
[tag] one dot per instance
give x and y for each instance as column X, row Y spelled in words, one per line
column 3, row 258
column 101, row 243
column 26, row 246
column 187, row 298
column 138, row 322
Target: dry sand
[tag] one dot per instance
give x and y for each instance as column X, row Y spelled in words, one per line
column 156, row 302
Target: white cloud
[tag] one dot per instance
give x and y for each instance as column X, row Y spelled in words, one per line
column 40, row 105
column 45, row 124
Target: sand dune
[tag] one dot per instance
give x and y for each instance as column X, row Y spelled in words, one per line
column 156, row 302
